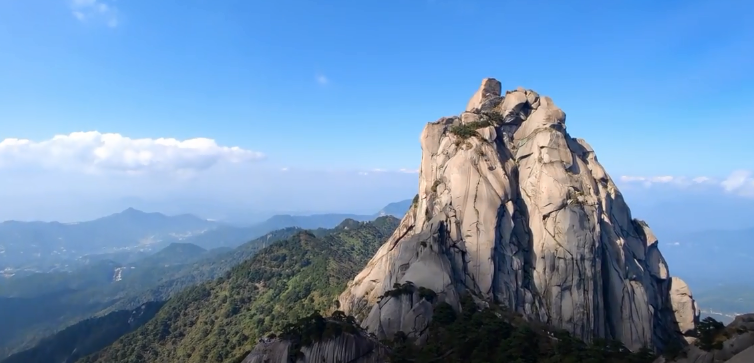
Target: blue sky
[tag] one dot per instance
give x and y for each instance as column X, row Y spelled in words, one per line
column 658, row 88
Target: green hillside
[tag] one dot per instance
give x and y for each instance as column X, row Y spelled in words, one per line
column 220, row 320
column 39, row 305
column 87, row 336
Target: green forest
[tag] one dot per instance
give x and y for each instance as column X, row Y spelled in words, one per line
column 473, row 335
column 221, row 320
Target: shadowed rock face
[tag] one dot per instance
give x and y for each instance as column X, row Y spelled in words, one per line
column 515, row 211
column 353, row 348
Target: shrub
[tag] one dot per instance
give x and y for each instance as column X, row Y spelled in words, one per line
column 494, row 118
column 435, row 185
column 399, row 289
column 427, row 294
column 465, row 131
column 709, row 330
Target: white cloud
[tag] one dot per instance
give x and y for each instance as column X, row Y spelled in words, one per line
column 648, row 181
column 382, row 171
column 739, row 182
column 241, row 189
column 95, row 10
column 322, row 79
column 94, row 152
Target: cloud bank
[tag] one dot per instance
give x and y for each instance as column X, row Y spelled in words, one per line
column 381, row 171
column 95, row 152
column 739, row 182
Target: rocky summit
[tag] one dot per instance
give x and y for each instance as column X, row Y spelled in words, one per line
column 514, row 211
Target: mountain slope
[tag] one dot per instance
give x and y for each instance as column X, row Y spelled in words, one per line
column 514, row 210
column 397, row 209
column 219, row 321
column 42, row 245
column 127, row 236
column 162, row 283
column 94, row 274
column 39, row 305
column 231, row 236
column 175, row 253
column 86, row 337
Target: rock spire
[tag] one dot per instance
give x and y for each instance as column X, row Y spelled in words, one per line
column 514, row 210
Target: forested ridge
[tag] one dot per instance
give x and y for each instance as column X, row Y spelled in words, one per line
column 221, row 320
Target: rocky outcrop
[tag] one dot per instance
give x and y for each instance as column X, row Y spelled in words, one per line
column 514, row 210
column 353, row 348
column 738, row 347
column 685, row 308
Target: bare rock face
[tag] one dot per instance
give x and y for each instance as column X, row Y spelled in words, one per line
column 490, row 90
column 737, row 348
column 685, row 308
column 514, row 210
column 354, row 348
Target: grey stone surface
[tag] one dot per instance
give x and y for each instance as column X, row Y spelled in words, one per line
column 524, row 214
column 489, row 91
column 353, row 348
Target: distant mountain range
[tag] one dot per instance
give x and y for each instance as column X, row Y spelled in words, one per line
column 37, row 305
column 46, row 245
column 397, row 209
column 132, row 234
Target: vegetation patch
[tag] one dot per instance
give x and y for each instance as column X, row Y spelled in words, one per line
column 408, row 288
column 301, row 275
column 435, row 185
column 405, row 288
column 712, row 334
column 490, row 335
column 493, row 118
column 576, row 197
column 465, row 131
column 427, row 294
